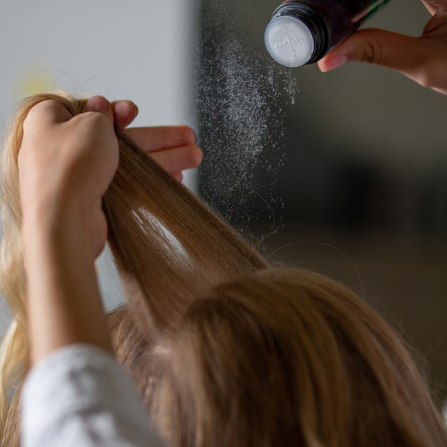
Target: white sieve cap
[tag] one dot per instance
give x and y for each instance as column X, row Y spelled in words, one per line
column 289, row 41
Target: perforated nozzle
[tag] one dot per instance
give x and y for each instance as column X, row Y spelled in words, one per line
column 289, row 41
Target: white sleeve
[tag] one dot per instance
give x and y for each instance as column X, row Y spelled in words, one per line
column 79, row 396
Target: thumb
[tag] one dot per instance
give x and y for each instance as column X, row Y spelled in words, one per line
column 404, row 54
column 101, row 105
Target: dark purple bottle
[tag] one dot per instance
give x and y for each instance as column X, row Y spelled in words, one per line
column 302, row 32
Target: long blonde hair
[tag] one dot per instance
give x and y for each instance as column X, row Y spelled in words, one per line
column 223, row 349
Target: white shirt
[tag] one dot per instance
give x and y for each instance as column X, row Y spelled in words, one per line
column 80, row 397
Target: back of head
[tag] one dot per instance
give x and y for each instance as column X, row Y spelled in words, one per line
column 284, row 357
column 224, row 350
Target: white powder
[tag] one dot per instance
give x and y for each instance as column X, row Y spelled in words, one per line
column 242, row 99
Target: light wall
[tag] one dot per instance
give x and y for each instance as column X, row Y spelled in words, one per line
column 123, row 49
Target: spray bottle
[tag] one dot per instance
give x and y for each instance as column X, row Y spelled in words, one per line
column 304, row 31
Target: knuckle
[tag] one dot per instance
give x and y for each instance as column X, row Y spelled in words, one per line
column 33, row 114
column 426, row 78
column 93, row 119
column 372, row 52
column 432, row 74
column 27, row 122
column 432, row 63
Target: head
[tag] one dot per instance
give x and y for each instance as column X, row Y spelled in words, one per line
column 223, row 349
column 280, row 357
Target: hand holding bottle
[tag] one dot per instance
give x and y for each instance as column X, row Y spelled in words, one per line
column 422, row 59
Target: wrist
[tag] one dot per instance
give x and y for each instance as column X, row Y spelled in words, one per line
column 56, row 228
column 63, row 299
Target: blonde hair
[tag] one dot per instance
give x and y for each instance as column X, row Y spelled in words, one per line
column 223, row 349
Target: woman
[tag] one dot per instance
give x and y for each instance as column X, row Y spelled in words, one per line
column 222, row 349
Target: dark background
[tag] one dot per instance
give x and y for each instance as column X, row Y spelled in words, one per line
column 350, row 180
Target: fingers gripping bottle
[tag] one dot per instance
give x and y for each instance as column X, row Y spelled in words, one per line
column 303, row 31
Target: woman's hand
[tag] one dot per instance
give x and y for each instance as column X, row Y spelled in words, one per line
column 67, row 163
column 172, row 147
column 422, row 59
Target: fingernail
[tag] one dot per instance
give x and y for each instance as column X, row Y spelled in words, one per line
column 334, row 62
column 97, row 104
column 197, row 138
column 135, row 107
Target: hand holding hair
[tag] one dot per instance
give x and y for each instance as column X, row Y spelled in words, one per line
column 66, row 164
column 422, row 59
column 172, row 147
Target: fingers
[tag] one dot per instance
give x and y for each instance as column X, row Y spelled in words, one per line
column 434, row 6
column 422, row 59
column 178, row 159
column 401, row 53
column 125, row 112
column 101, row 105
column 172, row 147
column 152, row 139
column 122, row 113
column 430, row 5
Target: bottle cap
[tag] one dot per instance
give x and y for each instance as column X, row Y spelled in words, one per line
column 289, row 41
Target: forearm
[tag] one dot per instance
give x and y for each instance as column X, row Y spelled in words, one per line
column 63, row 300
